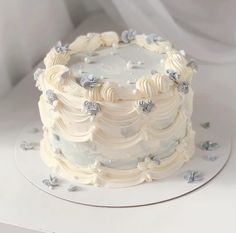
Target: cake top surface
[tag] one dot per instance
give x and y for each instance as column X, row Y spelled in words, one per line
column 109, row 67
column 122, row 63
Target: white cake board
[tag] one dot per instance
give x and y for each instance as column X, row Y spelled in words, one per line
column 34, row 170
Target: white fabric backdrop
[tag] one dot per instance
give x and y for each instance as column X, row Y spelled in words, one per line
column 205, row 29
column 27, row 29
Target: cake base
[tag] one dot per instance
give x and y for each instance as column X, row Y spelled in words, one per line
column 207, row 163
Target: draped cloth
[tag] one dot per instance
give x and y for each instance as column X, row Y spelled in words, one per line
column 206, row 30
column 27, row 30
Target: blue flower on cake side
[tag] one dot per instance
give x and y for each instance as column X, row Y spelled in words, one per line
column 60, row 48
column 146, row 106
column 155, row 158
column 92, row 107
column 88, row 81
column 128, row 35
column 51, row 96
column 183, row 86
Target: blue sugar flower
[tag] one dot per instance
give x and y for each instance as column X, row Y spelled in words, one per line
column 88, row 81
column 128, row 35
column 60, row 48
column 92, row 107
column 183, row 86
column 51, row 96
column 146, row 106
column 153, row 38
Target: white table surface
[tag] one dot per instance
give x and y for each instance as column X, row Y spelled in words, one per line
column 209, row 209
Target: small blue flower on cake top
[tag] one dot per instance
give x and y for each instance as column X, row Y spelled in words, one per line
column 173, row 75
column 88, row 81
column 153, row 38
column 192, row 176
column 128, row 35
column 60, row 48
column 37, row 73
column 92, row 107
column 183, row 86
column 51, row 96
column 209, row 146
column 146, row 106
column 51, row 182
column 193, row 65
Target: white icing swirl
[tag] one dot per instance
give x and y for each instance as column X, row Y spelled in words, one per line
column 108, row 38
column 153, row 85
column 119, row 131
column 108, row 92
column 94, row 94
column 56, row 76
column 161, row 82
column 177, row 62
column 55, row 58
column 158, row 47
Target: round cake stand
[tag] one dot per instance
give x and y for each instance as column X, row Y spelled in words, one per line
column 207, row 163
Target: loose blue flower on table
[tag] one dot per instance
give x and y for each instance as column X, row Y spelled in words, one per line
column 183, row 86
column 209, row 146
column 88, row 81
column 72, row 188
column 51, row 96
column 146, row 106
column 51, row 182
column 192, row 176
column 92, row 107
column 60, row 48
column 27, row 145
column 205, row 125
column 128, row 35
column 212, row 158
column 35, row 130
column 153, row 38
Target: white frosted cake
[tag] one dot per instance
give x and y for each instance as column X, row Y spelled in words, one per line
column 116, row 110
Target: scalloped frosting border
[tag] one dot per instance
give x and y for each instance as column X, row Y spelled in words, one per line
column 146, row 87
column 99, row 175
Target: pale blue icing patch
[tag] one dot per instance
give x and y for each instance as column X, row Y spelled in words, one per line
column 85, row 154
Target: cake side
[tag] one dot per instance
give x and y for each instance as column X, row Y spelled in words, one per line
column 101, row 132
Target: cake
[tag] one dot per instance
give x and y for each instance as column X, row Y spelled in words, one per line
column 116, row 110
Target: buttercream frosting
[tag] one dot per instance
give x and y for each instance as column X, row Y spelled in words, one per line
column 113, row 111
